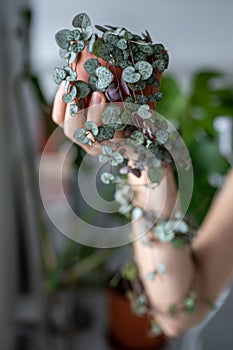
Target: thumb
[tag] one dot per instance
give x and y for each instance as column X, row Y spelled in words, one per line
column 95, row 107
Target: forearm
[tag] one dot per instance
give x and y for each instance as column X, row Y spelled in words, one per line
column 181, row 275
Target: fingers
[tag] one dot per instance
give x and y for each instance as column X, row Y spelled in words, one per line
column 96, row 106
column 59, row 107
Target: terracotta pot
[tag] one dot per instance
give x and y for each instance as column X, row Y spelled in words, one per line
column 126, row 330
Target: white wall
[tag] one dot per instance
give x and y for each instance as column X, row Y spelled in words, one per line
column 196, row 33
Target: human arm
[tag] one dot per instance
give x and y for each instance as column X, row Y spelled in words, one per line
column 214, row 262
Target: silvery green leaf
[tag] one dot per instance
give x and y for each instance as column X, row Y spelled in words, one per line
column 92, row 82
column 144, row 68
column 152, row 98
column 59, row 75
column 122, row 44
column 69, row 97
column 146, row 48
column 105, row 51
column 73, row 110
column 158, row 95
column 105, row 133
column 91, row 126
column 103, row 159
column 78, row 47
column 91, row 42
column 106, row 177
column 139, row 56
column 116, row 159
column 160, row 65
column 143, row 112
column 137, row 138
column 110, row 38
column 81, row 21
column 126, row 117
column 61, row 38
column 155, row 174
column 119, row 31
column 161, row 136
column 141, row 99
column 88, row 33
column 118, row 56
column 128, row 35
column 106, row 150
column 162, row 234
column 71, row 74
column 182, row 227
column 90, row 65
column 111, row 112
column 105, row 77
column 129, row 75
column 161, row 268
column 158, row 49
column 83, row 89
column 137, row 213
column 80, row 136
column 74, row 35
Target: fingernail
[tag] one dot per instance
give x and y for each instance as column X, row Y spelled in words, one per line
column 96, row 98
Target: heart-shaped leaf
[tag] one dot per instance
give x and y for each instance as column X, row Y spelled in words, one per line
column 81, row 21
column 106, row 150
column 68, row 98
column 90, row 65
column 91, row 126
column 73, row 110
column 83, row 89
column 144, row 68
column 143, row 112
column 71, row 74
column 160, row 65
column 105, row 52
column 106, row 177
column 61, row 38
column 59, row 75
column 122, row 44
column 105, row 77
column 78, row 47
column 110, row 38
column 146, row 48
column 106, row 132
column 137, row 138
column 74, row 35
column 92, row 82
column 129, row 75
column 116, row 159
column 161, row 135
column 80, row 136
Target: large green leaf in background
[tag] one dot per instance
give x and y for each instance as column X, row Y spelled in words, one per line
column 193, row 113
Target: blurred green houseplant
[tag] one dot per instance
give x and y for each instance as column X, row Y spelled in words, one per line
column 193, row 112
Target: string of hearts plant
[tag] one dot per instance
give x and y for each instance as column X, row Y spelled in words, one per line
column 127, row 68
